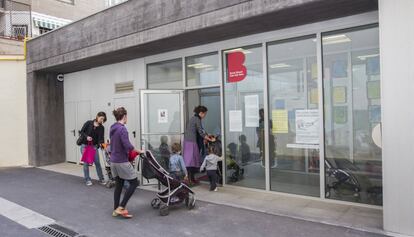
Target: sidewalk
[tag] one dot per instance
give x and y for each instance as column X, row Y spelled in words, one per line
column 87, row 211
column 354, row 217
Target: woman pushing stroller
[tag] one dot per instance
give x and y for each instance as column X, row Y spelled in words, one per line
column 121, row 167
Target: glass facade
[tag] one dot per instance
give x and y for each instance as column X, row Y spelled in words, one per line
column 202, row 70
column 165, row 75
column 339, row 80
column 293, row 116
column 243, row 98
column 353, row 162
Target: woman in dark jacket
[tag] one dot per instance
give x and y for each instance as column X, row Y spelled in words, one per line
column 193, row 140
column 93, row 132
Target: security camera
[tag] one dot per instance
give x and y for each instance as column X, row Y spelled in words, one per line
column 60, row 77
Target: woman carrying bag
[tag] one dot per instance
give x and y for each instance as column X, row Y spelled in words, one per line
column 91, row 137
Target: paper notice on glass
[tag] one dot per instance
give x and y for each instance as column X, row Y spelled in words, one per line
column 307, row 126
column 162, row 116
column 251, row 110
column 235, row 121
column 280, row 121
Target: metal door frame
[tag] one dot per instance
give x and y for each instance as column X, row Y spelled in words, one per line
column 143, row 109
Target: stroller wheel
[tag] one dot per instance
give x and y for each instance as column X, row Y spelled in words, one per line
column 164, row 211
column 155, row 203
column 190, row 202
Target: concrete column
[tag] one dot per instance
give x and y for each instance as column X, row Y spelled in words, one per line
column 397, row 81
column 46, row 127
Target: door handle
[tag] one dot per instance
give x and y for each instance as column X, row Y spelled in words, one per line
column 74, row 132
column 134, row 134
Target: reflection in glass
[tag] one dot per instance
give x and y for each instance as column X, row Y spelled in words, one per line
column 293, row 97
column 243, row 99
column 352, row 98
column 165, row 75
column 202, row 70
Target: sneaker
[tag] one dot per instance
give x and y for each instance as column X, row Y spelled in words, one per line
column 215, row 190
column 102, row 182
column 88, row 183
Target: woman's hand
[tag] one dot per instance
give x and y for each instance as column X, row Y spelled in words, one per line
column 89, row 139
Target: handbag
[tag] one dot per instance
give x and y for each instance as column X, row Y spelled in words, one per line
column 132, row 155
column 80, row 139
column 88, row 155
column 82, row 136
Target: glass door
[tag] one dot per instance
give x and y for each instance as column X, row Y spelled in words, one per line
column 162, row 123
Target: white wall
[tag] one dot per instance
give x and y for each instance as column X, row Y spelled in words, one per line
column 397, row 71
column 97, row 85
column 13, row 119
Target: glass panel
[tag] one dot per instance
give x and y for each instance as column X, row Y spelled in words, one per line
column 243, row 88
column 202, row 70
column 352, row 98
column 163, row 113
column 293, row 117
column 165, row 75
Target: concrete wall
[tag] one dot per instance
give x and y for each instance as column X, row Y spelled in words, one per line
column 45, row 119
column 11, row 47
column 397, row 78
column 81, row 8
column 13, row 119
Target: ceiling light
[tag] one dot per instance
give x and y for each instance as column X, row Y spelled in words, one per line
column 364, row 57
column 280, row 65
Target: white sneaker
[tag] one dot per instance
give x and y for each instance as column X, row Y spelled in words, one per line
column 88, row 183
column 215, row 190
column 102, row 182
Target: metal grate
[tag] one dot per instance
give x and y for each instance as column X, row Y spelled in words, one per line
column 59, row 231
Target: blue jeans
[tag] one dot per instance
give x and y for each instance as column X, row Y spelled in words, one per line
column 97, row 165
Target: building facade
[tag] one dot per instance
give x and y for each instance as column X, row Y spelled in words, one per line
column 295, row 89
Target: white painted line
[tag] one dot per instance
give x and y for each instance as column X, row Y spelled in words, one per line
column 22, row 215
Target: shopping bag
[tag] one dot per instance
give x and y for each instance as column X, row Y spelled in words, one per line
column 132, row 155
column 88, row 155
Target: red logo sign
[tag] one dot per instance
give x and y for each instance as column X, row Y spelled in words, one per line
column 236, row 71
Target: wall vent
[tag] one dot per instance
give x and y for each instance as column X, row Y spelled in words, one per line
column 123, row 87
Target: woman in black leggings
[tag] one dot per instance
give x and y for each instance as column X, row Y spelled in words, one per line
column 121, row 168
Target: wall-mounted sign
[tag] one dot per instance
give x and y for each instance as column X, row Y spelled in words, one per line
column 251, row 110
column 307, row 126
column 162, row 116
column 236, row 71
column 235, row 121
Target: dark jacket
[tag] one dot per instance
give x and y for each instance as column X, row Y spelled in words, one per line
column 97, row 133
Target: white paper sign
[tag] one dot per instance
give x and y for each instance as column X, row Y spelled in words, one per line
column 235, row 121
column 307, row 126
column 162, row 116
column 251, row 110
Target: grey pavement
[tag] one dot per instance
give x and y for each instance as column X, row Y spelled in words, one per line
column 87, row 210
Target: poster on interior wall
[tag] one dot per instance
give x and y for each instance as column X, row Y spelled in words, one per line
column 373, row 89
column 236, row 71
column 162, row 116
column 235, row 121
column 307, row 126
column 314, row 96
column 339, row 94
column 280, row 121
column 340, row 114
column 251, row 110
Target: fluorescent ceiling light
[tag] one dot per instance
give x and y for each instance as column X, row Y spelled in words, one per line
column 280, row 65
column 195, row 65
column 335, row 39
column 364, row 57
column 199, row 65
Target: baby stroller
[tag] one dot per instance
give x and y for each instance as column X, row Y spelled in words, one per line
column 235, row 172
column 105, row 150
column 344, row 180
column 175, row 192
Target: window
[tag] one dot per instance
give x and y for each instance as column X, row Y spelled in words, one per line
column 43, row 30
column 352, row 101
column 293, row 116
column 165, row 75
column 243, row 91
column 19, row 31
column 202, row 70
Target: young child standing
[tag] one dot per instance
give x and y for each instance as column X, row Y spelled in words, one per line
column 210, row 164
column 177, row 165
